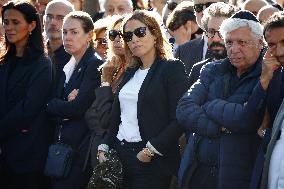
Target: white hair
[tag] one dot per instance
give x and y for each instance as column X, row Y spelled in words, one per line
column 231, row 24
column 68, row 4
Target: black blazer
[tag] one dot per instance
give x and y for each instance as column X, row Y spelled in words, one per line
column 24, row 131
column 86, row 78
column 190, row 53
column 163, row 86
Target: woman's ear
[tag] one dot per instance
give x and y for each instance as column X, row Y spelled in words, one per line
column 32, row 26
column 90, row 35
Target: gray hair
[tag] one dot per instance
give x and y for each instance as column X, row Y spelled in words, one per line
column 63, row 2
column 231, row 24
column 218, row 9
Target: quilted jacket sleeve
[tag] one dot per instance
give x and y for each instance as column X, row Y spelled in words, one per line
column 190, row 112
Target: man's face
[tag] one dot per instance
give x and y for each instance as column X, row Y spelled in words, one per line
column 275, row 40
column 200, row 6
column 243, row 48
column 117, row 7
column 216, row 45
column 53, row 20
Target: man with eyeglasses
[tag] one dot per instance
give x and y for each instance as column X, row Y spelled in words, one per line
column 52, row 21
column 221, row 110
column 195, row 50
column 117, row 7
column 211, row 21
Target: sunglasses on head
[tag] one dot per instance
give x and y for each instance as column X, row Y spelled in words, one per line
column 112, row 34
column 171, row 5
column 139, row 32
column 200, row 7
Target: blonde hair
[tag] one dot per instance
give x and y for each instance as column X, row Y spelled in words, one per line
column 163, row 47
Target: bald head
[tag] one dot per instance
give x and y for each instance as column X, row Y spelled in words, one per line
column 117, row 7
column 254, row 5
column 266, row 12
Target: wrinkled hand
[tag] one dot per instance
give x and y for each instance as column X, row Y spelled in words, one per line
column 110, row 68
column 101, row 156
column 73, row 95
column 269, row 65
column 143, row 157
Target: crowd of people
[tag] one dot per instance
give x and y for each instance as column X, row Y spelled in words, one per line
column 187, row 93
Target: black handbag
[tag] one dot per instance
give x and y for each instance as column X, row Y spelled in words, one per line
column 59, row 159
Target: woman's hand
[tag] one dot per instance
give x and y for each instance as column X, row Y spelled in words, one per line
column 144, row 156
column 73, row 95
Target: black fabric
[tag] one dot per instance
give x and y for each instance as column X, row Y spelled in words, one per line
column 246, row 15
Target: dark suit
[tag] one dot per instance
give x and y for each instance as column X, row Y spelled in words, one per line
column 24, row 134
column 190, row 53
column 164, row 84
column 74, row 132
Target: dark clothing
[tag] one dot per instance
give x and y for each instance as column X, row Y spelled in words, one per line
column 195, row 71
column 164, row 84
column 139, row 175
column 97, row 118
column 190, row 53
column 221, row 99
column 70, row 114
column 59, row 59
column 271, row 99
column 24, row 133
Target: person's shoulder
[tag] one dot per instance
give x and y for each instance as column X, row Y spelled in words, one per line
column 191, row 43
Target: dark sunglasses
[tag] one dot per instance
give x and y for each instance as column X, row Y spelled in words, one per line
column 171, row 5
column 113, row 33
column 200, row 7
column 139, row 32
column 101, row 43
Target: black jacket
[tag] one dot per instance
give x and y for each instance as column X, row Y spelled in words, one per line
column 24, row 133
column 164, row 84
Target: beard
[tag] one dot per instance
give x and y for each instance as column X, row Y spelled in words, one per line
column 217, row 54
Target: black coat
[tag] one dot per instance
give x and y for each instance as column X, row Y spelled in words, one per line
column 86, row 78
column 164, row 84
column 24, row 132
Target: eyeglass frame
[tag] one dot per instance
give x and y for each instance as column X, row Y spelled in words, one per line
column 144, row 29
column 100, row 42
column 118, row 33
column 210, row 33
column 200, row 6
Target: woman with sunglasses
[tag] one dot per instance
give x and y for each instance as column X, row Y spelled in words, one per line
column 143, row 127
column 98, row 115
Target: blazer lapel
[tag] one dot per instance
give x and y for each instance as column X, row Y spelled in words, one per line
column 79, row 68
column 145, row 84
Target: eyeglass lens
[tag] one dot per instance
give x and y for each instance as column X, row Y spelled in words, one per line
column 139, row 32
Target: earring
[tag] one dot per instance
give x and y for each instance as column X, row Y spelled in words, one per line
column 30, row 33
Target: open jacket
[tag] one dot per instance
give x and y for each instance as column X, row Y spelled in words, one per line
column 70, row 114
column 164, row 84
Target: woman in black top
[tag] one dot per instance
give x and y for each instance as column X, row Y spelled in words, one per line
column 25, row 83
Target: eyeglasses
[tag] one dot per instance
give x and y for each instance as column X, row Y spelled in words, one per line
column 112, row 34
column 101, row 43
column 139, row 32
column 50, row 17
column 212, row 33
column 171, row 5
column 200, row 7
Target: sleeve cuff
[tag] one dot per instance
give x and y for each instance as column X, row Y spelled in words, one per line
column 103, row 147
column 153, row 149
